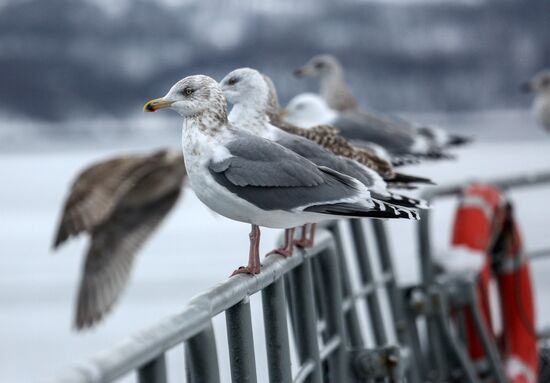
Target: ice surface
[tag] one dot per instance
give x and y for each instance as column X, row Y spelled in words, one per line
column 193, row 250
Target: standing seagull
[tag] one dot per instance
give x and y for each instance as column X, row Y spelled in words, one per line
column 540, row 84
column 248, row 91
column 334, row 90
column 119, row 203
column 401, row 146
column 250, row 179
column 329, row 138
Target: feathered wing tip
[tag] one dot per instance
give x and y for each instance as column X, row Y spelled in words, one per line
column 405, row 159
column 381, row 209
column 113, row 248
column 399, row 200
column 402, row 178
column 416, row 158
column 457, row 140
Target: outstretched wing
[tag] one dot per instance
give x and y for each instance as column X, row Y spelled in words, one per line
column 97, row 191
column 113, row 247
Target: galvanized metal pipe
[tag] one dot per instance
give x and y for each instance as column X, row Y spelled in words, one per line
column 276, row 333
column 365, row 269
column 154, row 371
column 308, row 347
column 201, row 357
column 241, row 343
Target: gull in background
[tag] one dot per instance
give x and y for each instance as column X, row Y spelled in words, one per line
column 398, row 145
column 540, row 85
column 119, row 203
column 334, row 90
column 247, row 90
column 251, row 179
column 329, row 138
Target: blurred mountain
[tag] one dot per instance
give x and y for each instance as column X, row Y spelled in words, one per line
column 61, row 59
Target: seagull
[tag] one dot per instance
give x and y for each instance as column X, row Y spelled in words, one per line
column 335, row 92
column 401, row 146
column 248, row 91
column 119, row 203
column 540, row 84
column 329, row 138
column 253, row 180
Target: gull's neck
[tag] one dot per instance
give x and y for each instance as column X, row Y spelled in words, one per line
column 251, row 116
column 335, row 92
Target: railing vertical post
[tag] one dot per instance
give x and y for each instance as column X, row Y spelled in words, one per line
column 276, row 333
column 330, row 272
column 202, row 358
column 365, row 269
column 241, row 345
column 395, row 296
column 353, row 328
column 491, row 351
column 306, row 322
column 434, row 351
column 154, row 371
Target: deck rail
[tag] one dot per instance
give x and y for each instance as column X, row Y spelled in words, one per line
column 313, row 288
column 321, row 304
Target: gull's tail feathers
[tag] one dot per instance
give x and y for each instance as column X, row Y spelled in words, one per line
column 401, row 180
column 457, row 140
column 356, row 210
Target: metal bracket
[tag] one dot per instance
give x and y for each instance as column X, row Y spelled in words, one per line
column 380, row 363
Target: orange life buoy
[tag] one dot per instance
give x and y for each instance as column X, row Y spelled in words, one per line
column 484, row 222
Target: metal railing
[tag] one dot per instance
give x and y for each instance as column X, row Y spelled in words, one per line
column 315, row 286
column 331, row 296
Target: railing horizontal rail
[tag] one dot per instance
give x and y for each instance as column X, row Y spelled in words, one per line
column 519, row 181
column 144, row 346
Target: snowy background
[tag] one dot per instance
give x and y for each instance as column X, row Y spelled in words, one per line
column 74, row 76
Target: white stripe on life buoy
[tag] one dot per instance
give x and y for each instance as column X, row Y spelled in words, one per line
column 516, row 367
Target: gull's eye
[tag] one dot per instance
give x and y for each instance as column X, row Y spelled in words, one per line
column 300, row 106
column 319, row 65
column 545, row 82
column 187, row 91
column 232, row 81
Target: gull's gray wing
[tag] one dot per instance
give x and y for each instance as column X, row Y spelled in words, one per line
column 322, row 157
column 368, row 127
column 274, row 178
column 113, row 247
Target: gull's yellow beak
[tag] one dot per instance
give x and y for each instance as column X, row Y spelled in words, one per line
column 156, row 104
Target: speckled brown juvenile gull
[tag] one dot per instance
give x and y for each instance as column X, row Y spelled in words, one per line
column 119, row 203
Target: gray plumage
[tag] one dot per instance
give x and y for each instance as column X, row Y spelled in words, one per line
column 119, row 203
column 274, row 178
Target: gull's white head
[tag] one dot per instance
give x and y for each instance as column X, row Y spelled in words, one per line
column 246, row 86
column 192, row 96
column 320, row 65
column 539, row 84
column 307, row 110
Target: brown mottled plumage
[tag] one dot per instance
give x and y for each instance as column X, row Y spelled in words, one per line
column 328, row 137
column 119, row 203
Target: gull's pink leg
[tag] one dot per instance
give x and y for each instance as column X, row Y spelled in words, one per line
column 305, row 242
column 253, row 266
column 288, row 247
